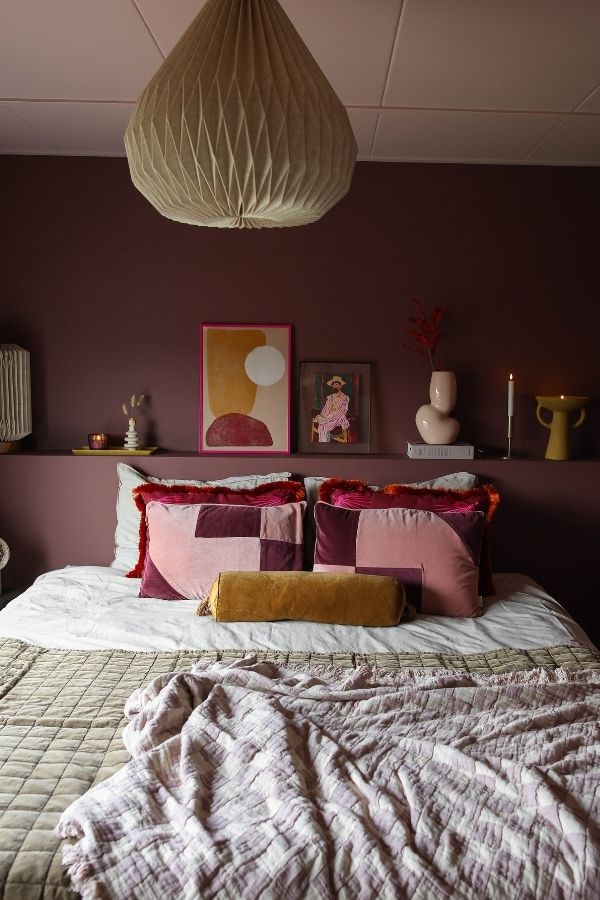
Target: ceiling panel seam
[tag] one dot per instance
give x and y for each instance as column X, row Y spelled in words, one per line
column 34, row 128
column 150, row 32
column 545, row 138
column 372, row 147
column 473, row 109
column 65, row 100
column 403, row 4
column 585, row 99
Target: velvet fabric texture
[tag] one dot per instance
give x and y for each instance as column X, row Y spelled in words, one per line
column 273, row 494
column 368, row 600
column 189, row 545
column 354, row 494
column 434, row 555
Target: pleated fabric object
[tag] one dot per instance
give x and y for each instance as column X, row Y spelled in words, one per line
column 15, row 393
column 239, row 128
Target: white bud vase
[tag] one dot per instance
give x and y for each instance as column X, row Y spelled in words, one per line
column 132, row 439
column 433, row 420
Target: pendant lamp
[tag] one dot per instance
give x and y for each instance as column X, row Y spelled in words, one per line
column 239, row 128
column 15, row 396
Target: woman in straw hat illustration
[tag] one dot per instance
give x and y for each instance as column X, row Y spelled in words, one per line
column 334, row 412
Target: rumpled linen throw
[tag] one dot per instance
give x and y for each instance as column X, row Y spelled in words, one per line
column 252, row 780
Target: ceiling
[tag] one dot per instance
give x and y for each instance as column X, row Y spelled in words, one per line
column 476, row 81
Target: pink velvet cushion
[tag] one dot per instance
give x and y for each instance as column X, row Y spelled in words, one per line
column 352, row 494
column 434, row 554
column 190, row 544
column 272, row 494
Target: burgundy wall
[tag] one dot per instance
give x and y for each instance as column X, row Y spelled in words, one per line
column 108, row 297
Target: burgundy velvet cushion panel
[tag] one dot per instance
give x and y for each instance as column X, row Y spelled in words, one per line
column 353, row 494
column 189, row 545
column 434, row 555
column 274, row 494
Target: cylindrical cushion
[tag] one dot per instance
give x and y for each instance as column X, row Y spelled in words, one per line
column 341, row 599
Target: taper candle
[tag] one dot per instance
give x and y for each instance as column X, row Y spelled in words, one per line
column 511, row 395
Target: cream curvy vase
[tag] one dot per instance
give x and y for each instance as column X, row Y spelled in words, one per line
column 433, row 419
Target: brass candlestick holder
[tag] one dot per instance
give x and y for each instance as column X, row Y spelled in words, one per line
column 561, row 406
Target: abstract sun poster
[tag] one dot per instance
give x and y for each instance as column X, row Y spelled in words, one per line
column 245, row 388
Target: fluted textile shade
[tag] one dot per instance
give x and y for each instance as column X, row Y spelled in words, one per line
column 239, row 128
column 15, row 393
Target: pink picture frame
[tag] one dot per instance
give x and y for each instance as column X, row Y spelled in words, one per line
column 245, row 389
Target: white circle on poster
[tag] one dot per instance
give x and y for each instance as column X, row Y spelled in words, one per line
column 265, row 365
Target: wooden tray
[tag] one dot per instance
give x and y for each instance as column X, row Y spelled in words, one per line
column 114, row 451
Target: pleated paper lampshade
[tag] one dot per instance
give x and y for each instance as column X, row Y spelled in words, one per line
column 15, row 395
column 239, row 128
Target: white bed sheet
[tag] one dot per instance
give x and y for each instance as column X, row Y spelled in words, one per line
column 92, row 607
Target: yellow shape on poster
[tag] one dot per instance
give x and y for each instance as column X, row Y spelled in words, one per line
column 229, row 388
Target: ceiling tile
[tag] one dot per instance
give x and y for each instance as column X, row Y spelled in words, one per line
column 17, row 136
column 350, row 39
column 591, row 103
column 575, row 141
column 168, row 21
column 75, row 49
column 364, row 122
column 532, row 55
column 90, row 129
column 459, row 136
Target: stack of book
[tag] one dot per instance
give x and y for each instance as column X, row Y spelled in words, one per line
column 440, row 451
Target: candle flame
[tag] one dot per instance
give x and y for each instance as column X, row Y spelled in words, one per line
column 562, row 396
column 510, row 376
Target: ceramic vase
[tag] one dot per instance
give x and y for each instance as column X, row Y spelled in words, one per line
column 433, row 419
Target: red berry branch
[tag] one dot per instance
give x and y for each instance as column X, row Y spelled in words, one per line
column 425, row 333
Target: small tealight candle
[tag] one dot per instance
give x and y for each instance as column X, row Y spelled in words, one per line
column 511, row 395
column 98, row 441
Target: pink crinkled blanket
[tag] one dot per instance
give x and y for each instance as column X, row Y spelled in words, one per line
column 251, row 780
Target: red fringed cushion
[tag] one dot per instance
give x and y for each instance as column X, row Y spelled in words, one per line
column 274, row 493
column 343, row 485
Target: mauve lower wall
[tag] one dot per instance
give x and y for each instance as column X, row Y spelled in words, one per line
column 108, row 297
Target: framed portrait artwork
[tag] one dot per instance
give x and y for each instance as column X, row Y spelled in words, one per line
column 334, row 408
column 245, row 388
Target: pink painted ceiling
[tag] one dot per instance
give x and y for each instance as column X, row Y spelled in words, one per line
column 475, row 81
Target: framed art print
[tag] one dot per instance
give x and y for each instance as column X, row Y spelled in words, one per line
column 245, row 388
column 334, row 408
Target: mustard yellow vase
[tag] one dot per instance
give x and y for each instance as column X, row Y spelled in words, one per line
column 561, row 408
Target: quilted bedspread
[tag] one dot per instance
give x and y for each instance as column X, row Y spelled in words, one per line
column 343, row 785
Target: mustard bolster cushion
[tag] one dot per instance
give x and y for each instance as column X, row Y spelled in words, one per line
column 342, row 599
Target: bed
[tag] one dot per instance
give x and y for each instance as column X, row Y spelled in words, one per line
column 268, row 758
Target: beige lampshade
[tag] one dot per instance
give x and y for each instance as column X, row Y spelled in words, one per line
column 15, row 393
column 239, row 128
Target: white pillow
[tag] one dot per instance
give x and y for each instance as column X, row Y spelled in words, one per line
column 127, row 533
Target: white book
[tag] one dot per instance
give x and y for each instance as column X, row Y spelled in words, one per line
column 440, row 451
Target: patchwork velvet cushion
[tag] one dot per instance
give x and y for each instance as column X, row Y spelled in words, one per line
column 271, row 494
column 323, row 597
column 128, row 516
column 352, row 494
column 312, row 483
column 435, row 555
column 190, row 544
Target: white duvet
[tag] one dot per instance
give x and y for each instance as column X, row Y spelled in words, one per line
column 92, row 607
